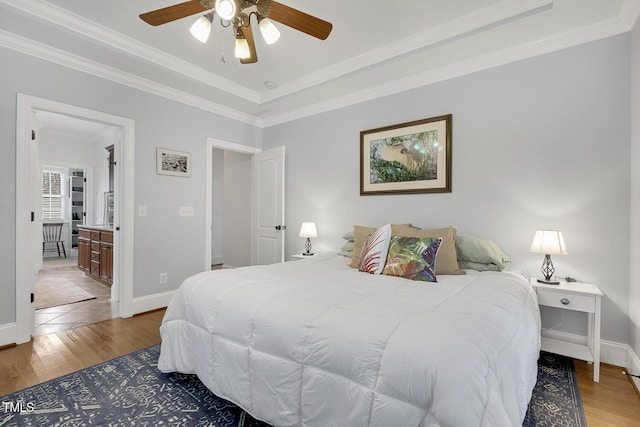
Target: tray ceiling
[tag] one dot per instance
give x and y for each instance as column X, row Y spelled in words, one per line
column 371, row 51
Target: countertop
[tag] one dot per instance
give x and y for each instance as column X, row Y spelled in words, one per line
column 97, row 227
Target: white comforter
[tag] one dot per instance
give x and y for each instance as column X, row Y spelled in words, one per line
column 316, row 343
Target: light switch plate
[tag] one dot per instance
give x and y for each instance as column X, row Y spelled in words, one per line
column 142, row 210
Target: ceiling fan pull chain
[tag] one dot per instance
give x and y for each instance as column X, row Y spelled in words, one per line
column 224, row 61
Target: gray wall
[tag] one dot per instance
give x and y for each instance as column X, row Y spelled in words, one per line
column 634, row 283
column 539, row 144
column 163, row 241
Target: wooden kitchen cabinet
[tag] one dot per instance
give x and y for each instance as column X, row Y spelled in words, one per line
column 95, row 253
column 84, row 250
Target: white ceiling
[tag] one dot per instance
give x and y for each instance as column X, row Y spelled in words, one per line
column 370, row 52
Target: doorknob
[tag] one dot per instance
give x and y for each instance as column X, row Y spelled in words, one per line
column 281, row 227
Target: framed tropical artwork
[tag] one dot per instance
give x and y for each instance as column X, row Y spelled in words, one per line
column 413, row 157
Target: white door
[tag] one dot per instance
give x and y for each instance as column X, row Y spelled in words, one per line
column 267, row 200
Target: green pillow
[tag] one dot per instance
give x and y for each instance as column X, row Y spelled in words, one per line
column 481, row 254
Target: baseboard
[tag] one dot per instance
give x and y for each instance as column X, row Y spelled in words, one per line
column 633, row 367
column 152, row 302
column 7, row 334
column 611, row 352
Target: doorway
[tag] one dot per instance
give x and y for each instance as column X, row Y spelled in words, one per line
column 231, row 199
column 75, row 160
column 215, row 210
column 266, row 225
column 28, row 231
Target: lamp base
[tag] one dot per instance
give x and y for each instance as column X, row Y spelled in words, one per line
column 308, row 253
column 548, row 282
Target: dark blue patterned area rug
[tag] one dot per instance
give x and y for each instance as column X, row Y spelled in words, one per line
column 556, row 399
column 130, row 391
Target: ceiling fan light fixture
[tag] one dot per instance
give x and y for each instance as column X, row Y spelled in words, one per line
column 241, row 50
column 269, row 31
column 226, row 9
column 201, row 29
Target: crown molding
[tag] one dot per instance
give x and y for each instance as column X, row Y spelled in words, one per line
column 629, row 13
column 503, row 12
column 624, row 22
column 97, row 32
column 69, row 60
column 609, row 28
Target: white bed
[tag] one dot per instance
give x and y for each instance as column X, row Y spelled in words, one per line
column 316, row 343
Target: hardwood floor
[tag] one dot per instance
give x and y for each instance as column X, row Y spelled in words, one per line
column 49, row 356
column 611, row 402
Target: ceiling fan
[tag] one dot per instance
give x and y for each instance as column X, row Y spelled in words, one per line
column 238, row 13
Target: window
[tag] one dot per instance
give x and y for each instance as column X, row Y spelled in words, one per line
column 51, row 195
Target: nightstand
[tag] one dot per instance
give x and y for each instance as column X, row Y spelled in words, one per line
column 575, row 296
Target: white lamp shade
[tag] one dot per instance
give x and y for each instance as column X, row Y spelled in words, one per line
column 226, row 9
column 242, row 49
column 269, row 32
column 548, row 242
column 201, row 29
column 308, row 229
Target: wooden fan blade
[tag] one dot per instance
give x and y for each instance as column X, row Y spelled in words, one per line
column 248, row 34
column 300, row 21
column 171, row 13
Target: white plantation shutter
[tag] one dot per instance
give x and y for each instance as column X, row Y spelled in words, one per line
column 51, row 195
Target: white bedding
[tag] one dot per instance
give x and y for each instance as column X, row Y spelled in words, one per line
column 316, row 343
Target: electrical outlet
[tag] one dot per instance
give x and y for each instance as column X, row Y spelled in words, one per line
column 186, row 210
column 163, row 278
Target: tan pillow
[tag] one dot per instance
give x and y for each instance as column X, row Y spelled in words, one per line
column 446, row 261
column 360, row 234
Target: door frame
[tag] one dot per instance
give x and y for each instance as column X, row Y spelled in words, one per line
column 208, row 188
column 124, row 219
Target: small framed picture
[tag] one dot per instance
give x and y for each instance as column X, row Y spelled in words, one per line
column 171, row 162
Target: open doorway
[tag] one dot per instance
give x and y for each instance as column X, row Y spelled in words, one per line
column 76, row 158
column 231, row 199
column 236, row 212
column 29, row 231
column 266, row 210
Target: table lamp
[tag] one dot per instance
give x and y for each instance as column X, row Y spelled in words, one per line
column 308, row 230
column 548, row 242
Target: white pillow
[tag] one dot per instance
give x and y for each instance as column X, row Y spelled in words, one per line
column 375, row 249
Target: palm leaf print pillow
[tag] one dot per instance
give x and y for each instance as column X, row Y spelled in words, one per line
column 413, row 258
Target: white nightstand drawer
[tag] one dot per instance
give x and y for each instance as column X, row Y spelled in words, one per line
column 585, row 303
